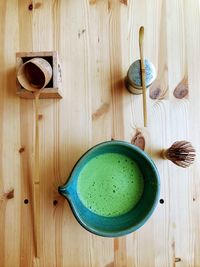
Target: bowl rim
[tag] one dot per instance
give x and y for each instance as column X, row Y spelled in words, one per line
column 128, row 229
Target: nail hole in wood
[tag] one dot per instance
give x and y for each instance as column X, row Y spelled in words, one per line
column 26, row 201
column 55, row 202
column 162, row 201
column 177, row 259
column 21, row 149
column 30, row 7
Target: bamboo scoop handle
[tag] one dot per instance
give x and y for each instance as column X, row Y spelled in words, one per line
column 141, row 45
column 34, row 75
column 36, row 185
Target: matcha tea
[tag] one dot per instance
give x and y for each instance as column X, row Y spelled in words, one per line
column 111, row 184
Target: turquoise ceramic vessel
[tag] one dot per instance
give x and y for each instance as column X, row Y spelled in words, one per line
column 126, row 223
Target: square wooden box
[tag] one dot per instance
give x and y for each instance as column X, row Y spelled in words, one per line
column 53, row 88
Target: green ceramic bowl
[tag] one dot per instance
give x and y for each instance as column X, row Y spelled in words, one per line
column 130, row 221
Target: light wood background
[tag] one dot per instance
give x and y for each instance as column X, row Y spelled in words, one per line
column 97, row 40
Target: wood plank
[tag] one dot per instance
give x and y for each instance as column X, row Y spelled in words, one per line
column 2, row 100
column 26, row 137
column 116, row 29
column 75, row 118
column 101, row 249
column 192, row 38
column 180, row 196
column 42, row 32
column 10, row 138
column 159, row 131
column 142, row 14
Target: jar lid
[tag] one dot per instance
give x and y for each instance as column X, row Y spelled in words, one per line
column 134, row 73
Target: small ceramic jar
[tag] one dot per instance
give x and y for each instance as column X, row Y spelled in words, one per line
column 133, row 80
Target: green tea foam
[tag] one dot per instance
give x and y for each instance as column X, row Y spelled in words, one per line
column 110, row 184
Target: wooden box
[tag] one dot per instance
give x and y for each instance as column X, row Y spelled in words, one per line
column 53, row 88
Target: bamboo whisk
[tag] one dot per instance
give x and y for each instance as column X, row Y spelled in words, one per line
column 181, row 153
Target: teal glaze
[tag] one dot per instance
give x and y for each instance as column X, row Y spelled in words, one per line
column 126, row 223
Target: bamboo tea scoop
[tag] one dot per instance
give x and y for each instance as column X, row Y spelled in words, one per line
column 141, row 75
column 34, row 75
column 144, row 89
column 181, row 153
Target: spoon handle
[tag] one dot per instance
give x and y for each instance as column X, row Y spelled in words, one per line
column 36, row 185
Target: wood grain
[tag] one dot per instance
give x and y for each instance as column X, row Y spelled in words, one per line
column 97, row 40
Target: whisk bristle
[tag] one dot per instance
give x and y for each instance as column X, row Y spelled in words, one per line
column 181, row 153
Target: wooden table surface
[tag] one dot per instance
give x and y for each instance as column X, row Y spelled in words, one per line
column 97, row 40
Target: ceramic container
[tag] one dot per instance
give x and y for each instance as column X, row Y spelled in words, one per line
column 133, row 80
column 130, row 221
